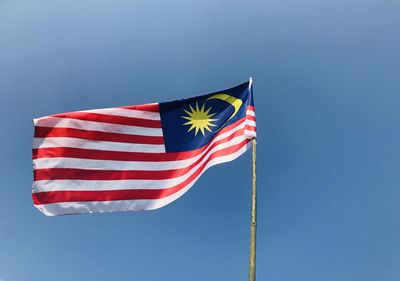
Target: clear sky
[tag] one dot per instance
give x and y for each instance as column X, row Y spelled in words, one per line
column 327, row 94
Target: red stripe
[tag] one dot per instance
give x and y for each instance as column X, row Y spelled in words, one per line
column 92, row 174
column 131, row 194
column 251, row 117
column 144, row 107
column 250, row 128
column 250, row 107
column 47, row 132
column 126, row 156
column 104, row 118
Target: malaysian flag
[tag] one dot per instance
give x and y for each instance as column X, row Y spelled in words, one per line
column 139, row 157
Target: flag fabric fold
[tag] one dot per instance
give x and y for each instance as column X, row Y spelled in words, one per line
column 139, row 157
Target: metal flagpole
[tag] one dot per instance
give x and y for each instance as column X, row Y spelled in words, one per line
column 253, row 225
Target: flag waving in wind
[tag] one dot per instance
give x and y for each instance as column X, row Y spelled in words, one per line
column 139, row 157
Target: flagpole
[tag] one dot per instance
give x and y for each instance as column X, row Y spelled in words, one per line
column 253, row 225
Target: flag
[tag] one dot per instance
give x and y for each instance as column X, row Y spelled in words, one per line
column 139, row 157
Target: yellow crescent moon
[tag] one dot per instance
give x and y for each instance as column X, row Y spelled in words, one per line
column 235, row 102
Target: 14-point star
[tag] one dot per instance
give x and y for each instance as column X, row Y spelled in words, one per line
column 199, row 119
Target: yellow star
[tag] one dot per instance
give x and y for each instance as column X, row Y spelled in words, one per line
column 199, row 119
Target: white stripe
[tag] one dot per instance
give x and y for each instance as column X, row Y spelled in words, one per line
column 117, row 111
column 250, row 123
column 77, row 163
column 98, row 145
column 96, row 126
column 250, row 134
column 128, row 205
column 250, row 112
column 53, row 185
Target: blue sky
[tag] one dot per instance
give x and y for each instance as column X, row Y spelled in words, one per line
column 326, row 85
